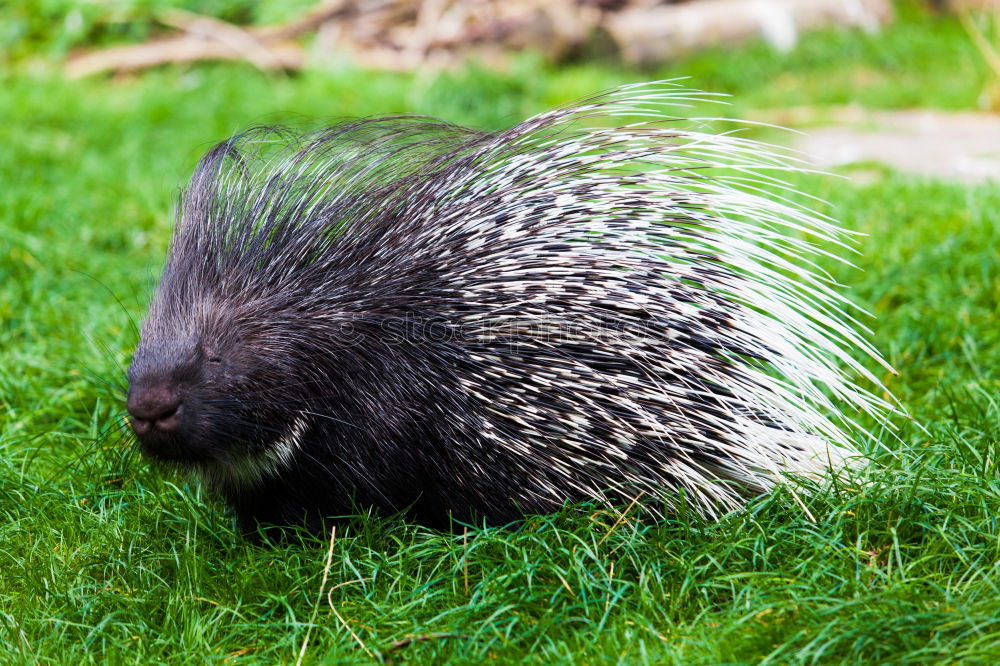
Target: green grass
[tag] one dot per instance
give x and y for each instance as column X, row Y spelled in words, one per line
column 104, row 561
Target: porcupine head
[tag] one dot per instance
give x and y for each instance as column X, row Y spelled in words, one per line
column 404, row 314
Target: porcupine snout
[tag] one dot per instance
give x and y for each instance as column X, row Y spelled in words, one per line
column 158, row 411
column 200, row 383
column 156, row 407
column 162, row 402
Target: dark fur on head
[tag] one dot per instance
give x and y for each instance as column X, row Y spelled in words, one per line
column 405, row 314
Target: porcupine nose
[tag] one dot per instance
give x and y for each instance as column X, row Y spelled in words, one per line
column 154, row 407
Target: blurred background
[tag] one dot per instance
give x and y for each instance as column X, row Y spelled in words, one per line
column 220, row 64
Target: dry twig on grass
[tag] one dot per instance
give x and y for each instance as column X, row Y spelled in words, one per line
column 406, row 34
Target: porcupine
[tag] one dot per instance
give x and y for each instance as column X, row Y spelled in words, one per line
column 405, row 314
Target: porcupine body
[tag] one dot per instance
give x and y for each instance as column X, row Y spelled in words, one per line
column 409, row 315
